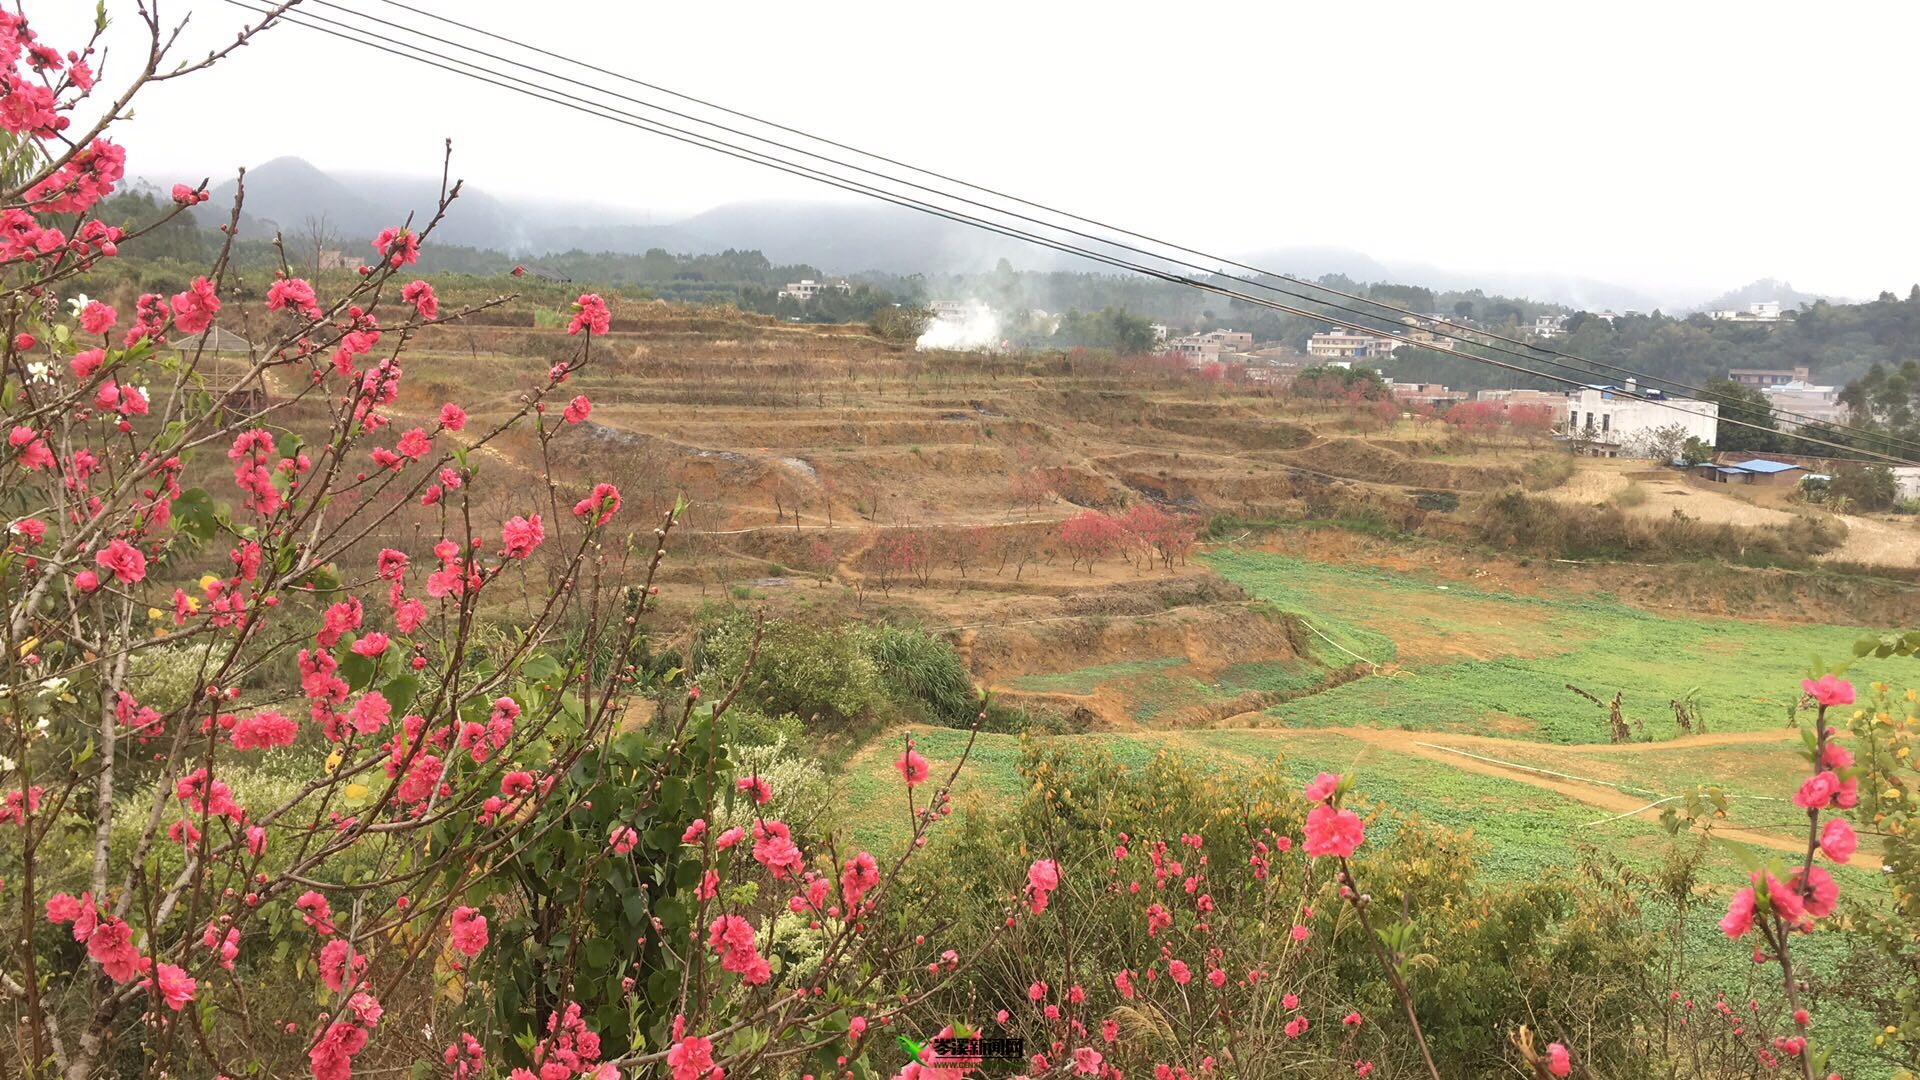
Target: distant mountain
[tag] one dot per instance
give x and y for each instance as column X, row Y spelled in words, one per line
column 1791, row 299
column 292, row 195
column 1314, row 262
column 1571, row 291
column 838, row 237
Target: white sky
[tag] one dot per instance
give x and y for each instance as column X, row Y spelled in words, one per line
column 1685, row 147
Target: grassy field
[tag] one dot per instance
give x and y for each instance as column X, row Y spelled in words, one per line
column 1469, row 724
column 1499, row 664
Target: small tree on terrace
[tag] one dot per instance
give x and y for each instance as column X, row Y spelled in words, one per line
column 1156, row 534
column 1667, row 443
column 900, row 555
column 1531, row 422
column 1089, row 535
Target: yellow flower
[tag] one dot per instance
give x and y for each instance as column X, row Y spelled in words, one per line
column 154, row 614
column 207, row 582
column 333, row 761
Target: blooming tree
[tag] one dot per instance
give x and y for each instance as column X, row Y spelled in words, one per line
column 402, row 738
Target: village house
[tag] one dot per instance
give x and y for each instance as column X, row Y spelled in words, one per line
column 1347, row 345
column 1425, row 333
column 1424, row 394
column 1755, row 471
column 806, row 289
column 1199, row 350
column 1760, row 311
column 1764, row 377
column 1798, row 403
column 1553, row 399
column 1611, row 420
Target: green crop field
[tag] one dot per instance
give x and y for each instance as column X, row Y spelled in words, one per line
column 1498, row 664
column 1458, row 662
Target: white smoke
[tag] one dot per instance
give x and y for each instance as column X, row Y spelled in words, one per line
column 978, row 327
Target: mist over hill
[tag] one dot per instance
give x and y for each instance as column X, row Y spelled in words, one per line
column 1790, row 298
column 844, row 238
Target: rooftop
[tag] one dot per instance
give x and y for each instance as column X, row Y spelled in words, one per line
column 1762, row 465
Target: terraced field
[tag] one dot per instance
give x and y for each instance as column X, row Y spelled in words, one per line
column 1461, row 712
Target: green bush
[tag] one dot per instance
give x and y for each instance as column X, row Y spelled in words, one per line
column 917, row 667
column 1564, row 952
column 819, row 674
column 1865, row 487
column 1514, row 520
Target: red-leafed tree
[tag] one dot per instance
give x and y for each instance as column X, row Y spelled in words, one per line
column 1089, row 536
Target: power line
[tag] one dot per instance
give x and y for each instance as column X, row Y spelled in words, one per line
column 1397, row 311
column 1212, row 270
column 483, row 74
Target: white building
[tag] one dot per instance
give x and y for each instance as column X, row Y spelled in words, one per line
column 806, row 289
column 1549, row 326
column 1348, row 345
column 1799, row 402
column 1552, row 399
column 1611, row 420
column 1760, row 311
column 1906, row 479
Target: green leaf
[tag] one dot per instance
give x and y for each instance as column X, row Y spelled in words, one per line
column 598, row 953
column 1746, row 856
column 400, row 691
column 193, row 514
column 357, row 670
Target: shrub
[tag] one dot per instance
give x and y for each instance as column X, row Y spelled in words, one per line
column 1548, row 470
column 917, row 667
column 1514, row 520
column 1217, row 855
column 816, row 673
column 1865, row 487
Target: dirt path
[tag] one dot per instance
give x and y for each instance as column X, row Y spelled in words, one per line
column 1600, row 795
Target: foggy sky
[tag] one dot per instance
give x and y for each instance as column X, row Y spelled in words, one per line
column 1681, row 148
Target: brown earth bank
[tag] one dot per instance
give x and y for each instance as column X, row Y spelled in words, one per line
column 1209, row 638
column 1702, row 588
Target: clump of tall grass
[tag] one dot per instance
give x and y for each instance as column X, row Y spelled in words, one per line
column 1548, row 470
column 1515, row 520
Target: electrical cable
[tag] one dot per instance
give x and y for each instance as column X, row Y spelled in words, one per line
column 603, row 111
column 1397, row 311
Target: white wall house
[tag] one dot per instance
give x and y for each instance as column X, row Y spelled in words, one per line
column 1767, row 311
column 1611, row 421
column 1347, row 345
column 806, row 289
column 1906, row 478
